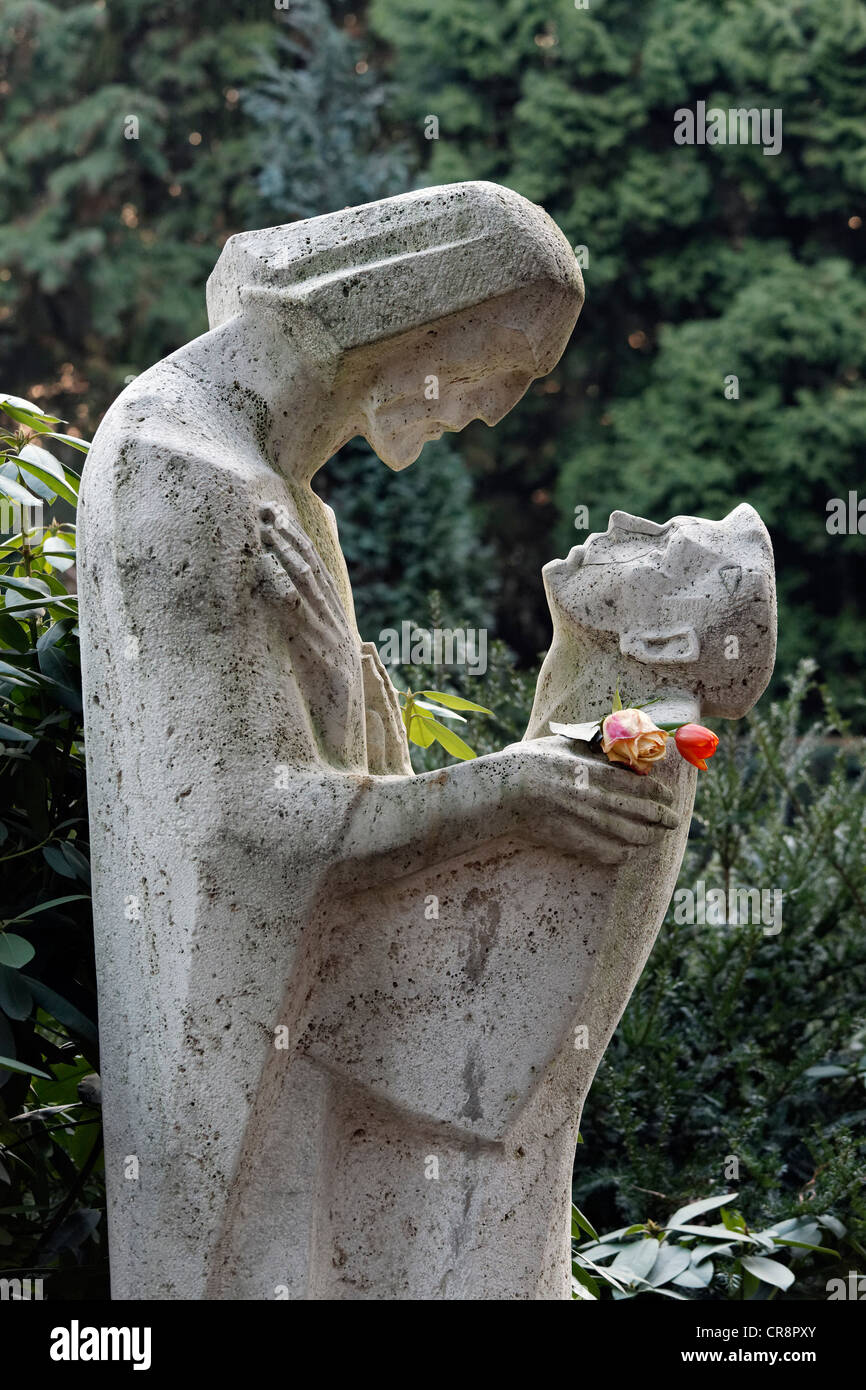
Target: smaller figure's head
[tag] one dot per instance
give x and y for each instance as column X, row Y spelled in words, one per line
column 693, row 599
column 426, row 311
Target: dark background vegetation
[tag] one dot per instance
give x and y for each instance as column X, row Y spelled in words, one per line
column 703, row 262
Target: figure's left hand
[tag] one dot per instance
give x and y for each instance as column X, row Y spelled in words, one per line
column 387, row 745
column 322, row 642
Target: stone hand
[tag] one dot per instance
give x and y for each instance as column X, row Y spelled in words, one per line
column 322, row 642
column 387, row 749
column 304, row 584
column 582, row 805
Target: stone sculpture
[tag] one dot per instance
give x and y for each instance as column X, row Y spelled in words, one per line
column 316, row 1085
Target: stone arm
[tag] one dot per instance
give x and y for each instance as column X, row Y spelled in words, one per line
column 247, row 769
column 394, row 823
column 394, row 826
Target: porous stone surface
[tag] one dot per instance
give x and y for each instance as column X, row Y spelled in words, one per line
column 339, row 1002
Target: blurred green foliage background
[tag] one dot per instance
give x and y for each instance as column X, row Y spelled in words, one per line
column 702, row 262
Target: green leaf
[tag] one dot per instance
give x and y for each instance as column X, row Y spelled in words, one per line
column 33, row 456
column 17, row 676
column 56, row 860
column 55, row 633
column 14, row 490
column 698, row 1208
column 805, row 1245
column 67, row 861
column 603, row 1275
column 14, row 950
column 617, row 702
column 54, row 663
column 415, row 723
column 28, row 605
column 57, row 590
column 833, row 1224
column 712, row 1232
column 455, row 701
column 436, row 709
column 61, row 1009
column 585, row 1280
column 26, row 413
column 602, row 1250
column 768, row 1271
column 698, row 1277
column 16, row 1001
column 65, row 695
column 637, row 1259
column 799, row 1233
column 12, row 634
column 672, row 1261
column 10, row 735
column 700, row 1253
column 59, row 553
column 45, row 907
column 20, row 404
column 580, row 1223
column 36, row 460
column 27, row 586
column 82, row 444
column 8, row 1065
column 447, row 737
column 11, row 469
column 76, row 861
column 732, row 1220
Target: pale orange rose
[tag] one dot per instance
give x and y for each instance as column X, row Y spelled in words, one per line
column 630, row 736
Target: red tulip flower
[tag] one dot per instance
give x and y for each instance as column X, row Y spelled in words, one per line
column 696, row 744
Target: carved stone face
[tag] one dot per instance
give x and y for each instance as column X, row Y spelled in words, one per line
column 694, row 598
column 474, row 365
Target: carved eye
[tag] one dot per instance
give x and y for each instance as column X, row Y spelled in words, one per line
column 621, row 547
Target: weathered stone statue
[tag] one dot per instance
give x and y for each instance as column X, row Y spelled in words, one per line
column 338, row 1002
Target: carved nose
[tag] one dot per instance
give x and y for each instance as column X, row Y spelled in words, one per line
column 624, row 521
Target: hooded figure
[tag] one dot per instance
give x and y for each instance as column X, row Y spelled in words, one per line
column 229, row 700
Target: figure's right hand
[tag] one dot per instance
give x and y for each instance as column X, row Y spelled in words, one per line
column 583, row 805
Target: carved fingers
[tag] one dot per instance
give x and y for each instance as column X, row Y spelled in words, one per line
column 387, row 749
column 582, row 805
column 321, row 646
column 299, row 575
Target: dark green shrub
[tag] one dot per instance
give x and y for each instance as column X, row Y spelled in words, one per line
column 50, row 1137
column 743, row 1045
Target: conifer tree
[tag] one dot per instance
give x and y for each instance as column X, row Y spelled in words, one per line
column 125, row 165
column 702, row 262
